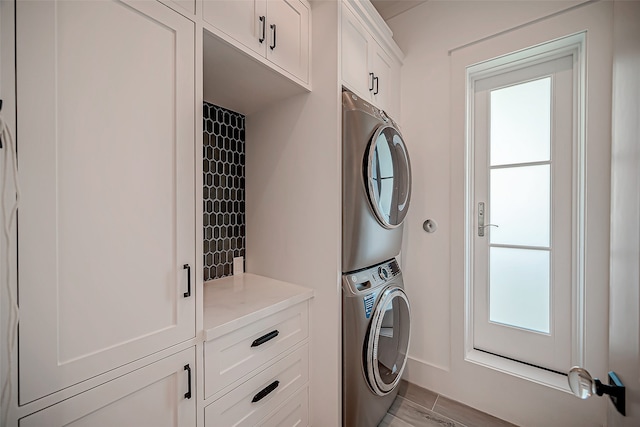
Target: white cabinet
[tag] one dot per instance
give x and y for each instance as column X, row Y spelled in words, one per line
column 254, row 344
column 288, row 38
column 384, row 87
column 182, row 6
column 106, row 113
column 294, row 413
column 156, row 395
column 357, row 45
column 277, row 30
column 370, row 68
column 262, row 395
column 244, row 21
column 256, row 354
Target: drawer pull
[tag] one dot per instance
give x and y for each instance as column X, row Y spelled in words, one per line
column 263, row 339
column 265, row 391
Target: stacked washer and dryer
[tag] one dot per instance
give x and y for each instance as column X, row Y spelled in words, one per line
column 376, row 189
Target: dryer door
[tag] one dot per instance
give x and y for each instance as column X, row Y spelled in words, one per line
column 387, row 341
column 387, row 176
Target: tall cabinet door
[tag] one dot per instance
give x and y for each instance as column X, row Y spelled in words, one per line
column 356, row 51
column 288, row 36
column 106, row 115
column 154, row 396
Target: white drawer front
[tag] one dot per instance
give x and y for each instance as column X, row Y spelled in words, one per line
column 294, row 413
column 237, row 409
column 232, row 356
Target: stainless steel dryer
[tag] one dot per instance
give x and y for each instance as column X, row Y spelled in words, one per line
column 376, row 184
column 375, row 341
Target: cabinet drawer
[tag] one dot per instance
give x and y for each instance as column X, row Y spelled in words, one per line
column 152, row 396
column 232, row 356
column 249, row 403
column 294, row 413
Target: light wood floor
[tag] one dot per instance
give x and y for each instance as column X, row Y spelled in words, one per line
column 418, row 407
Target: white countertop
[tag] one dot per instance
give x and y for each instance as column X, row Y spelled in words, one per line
column 236, row 301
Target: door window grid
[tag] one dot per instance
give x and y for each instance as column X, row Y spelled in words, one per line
column 520, row 159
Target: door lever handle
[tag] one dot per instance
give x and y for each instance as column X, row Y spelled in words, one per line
column 491, row 225
column 481, row 224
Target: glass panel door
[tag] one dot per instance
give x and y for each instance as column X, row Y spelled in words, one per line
column 522, row 253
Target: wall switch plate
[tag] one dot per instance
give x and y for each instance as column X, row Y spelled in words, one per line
column 238, row 265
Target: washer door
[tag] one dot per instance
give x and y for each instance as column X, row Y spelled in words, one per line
column 387, row 341
column 388, row 176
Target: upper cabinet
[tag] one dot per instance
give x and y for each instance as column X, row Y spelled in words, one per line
column 288, row 36
column 357, row 45
column 275, row 30
column 370, row 58
column 106, row 112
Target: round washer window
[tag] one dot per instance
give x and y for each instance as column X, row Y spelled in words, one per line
column 388, row 341
column 388, row 176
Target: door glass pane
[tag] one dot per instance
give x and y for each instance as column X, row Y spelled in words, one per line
column 521, row 123
column 403, row 175
column 393, row 340
column 520, row 205
column 382, row 176
column 519, row 288
column 389, row 171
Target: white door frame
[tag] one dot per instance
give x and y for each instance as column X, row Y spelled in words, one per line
column 566, row 229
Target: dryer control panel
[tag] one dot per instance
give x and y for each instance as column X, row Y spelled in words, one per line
column 389, row 270
column 366, row 280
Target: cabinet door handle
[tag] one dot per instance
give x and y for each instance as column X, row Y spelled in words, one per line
column 263, row 339
column 377, row 87
column 273, row 32
column 371, row 79
column 263, row 23
column 187, row 395
column 265, row 391
column 188, row 268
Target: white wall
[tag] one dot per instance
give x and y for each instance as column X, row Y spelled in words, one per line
column 624, row 338
column 426, row 34
column 293, row 205
column 432, row 262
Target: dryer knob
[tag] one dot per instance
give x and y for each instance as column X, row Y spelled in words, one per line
column 383, row 273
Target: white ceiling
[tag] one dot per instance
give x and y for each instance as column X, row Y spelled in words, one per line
column 390, row 8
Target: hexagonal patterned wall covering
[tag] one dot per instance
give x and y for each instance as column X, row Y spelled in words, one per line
column 223, row 165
